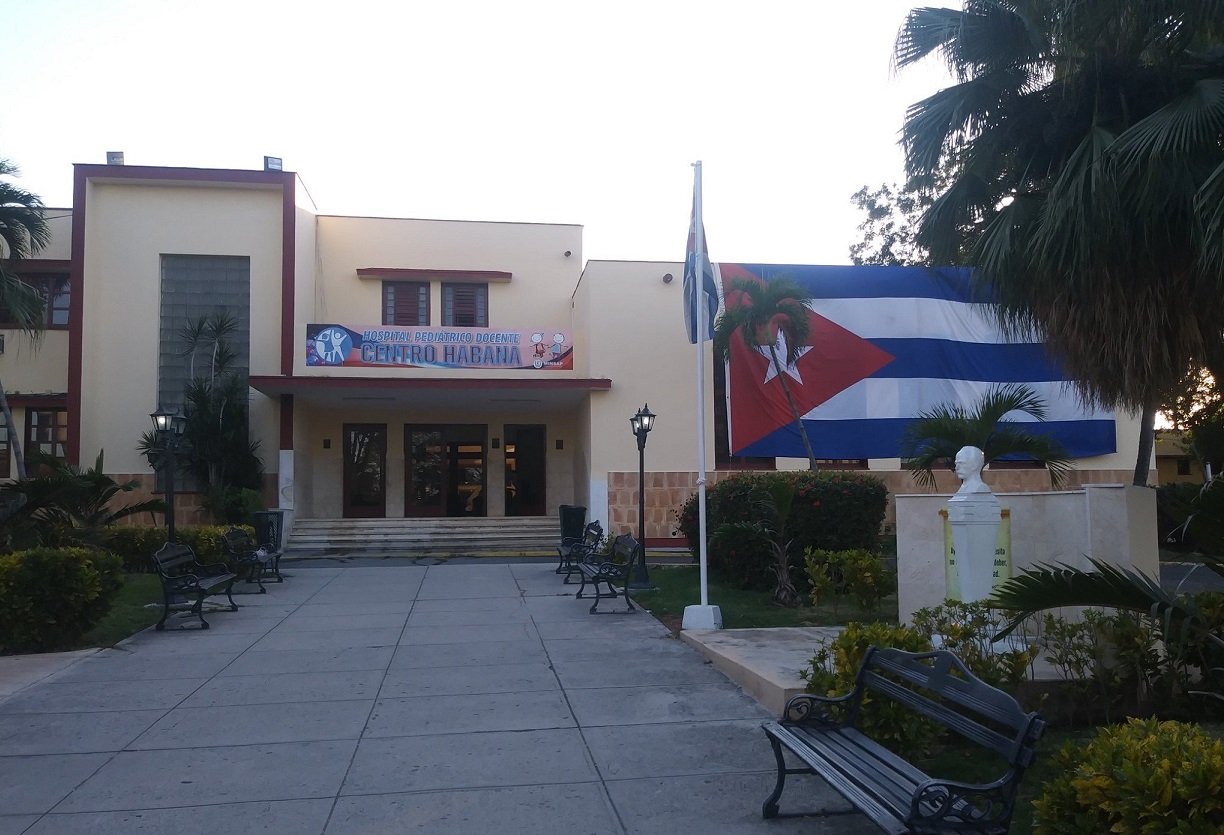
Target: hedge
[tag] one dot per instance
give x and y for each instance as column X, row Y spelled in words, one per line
column 50, row 597
column 135, row 544
column 834, row 511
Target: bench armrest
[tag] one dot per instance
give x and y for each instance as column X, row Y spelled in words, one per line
column 987, row 803
column 808, row 708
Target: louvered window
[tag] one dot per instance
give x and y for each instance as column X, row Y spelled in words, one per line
column 405, row 303
column 465, row 305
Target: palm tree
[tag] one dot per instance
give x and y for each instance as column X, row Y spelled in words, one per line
column 769, row 314
column 23, row 232
column 939, row 434
column 1087, row 179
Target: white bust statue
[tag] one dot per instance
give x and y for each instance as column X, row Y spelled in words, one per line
column 969, row 463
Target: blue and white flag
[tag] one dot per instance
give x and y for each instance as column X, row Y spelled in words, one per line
column 696, row 252
column 886, row 344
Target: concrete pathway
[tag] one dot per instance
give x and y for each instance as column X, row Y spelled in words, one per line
column 445, row 699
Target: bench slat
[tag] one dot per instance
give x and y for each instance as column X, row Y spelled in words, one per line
column 843, row 784
column 970, row 693
column 950, row 719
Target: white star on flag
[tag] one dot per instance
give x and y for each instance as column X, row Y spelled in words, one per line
column 771, row 370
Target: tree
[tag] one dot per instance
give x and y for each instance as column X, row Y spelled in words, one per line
column 1086, row 178
column 218, row 450
column 890, row 226
column 939, row 434
column 23, row 232
column 769, row 315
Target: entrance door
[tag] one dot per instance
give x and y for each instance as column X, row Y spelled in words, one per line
column 444, row 470
column 365, row 470
column 525, row 469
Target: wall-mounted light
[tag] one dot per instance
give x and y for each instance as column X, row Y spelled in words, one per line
column 667, row 278
column 568, row 253
column 495, row 443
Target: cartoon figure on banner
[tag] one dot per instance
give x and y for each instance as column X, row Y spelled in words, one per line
column 539, row 349
column 333, row 345
column 558, row 343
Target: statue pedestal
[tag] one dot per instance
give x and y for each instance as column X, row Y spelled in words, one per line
column 974, row 519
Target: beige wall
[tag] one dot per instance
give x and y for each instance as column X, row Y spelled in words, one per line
column 537, row 296
column 128, row 228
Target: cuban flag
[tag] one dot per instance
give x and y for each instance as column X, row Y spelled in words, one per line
column 886, row 344
column 709, row 290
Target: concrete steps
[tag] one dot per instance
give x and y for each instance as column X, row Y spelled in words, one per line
column 517, row 536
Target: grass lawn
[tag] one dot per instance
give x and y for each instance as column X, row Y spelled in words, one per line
column 128, row 614
column 679, row 586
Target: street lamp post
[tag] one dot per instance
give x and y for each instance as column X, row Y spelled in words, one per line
column 642, row 423
column 168, row 428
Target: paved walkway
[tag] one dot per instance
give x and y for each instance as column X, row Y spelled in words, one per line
column 445, row 699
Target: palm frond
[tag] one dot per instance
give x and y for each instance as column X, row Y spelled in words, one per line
column 1046, row 586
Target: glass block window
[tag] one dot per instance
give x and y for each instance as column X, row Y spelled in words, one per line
column 405, row 303
column 465, row 305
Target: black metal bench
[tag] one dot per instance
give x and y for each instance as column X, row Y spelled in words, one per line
column 610, row 571
column 571, row 552
column 185, row 579
column 892, row 792
column 245, row 558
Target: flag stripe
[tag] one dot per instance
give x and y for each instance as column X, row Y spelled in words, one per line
column 988, row 362
column 947, row 283
column 865, row 438
column 905, row 398
column 913, row 318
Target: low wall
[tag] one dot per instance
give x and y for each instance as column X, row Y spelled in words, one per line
column 1111, row 522
column 666, row 492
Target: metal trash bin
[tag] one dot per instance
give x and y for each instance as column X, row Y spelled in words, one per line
column 573, row 521
column 270, row 528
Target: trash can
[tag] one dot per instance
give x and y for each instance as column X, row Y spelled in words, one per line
column 573, row 521
column 270, row 528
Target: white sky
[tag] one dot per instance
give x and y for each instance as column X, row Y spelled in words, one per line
column 559, row 112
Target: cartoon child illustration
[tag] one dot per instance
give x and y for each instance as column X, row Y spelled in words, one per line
column 558, row 342
column 539, row 349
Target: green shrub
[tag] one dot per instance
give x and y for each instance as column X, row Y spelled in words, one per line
column 1144, row 777
column 832, row 672
column 50, row 597
column 832, row 510
column 856, row 573
column 134, row 545
column 965, row 630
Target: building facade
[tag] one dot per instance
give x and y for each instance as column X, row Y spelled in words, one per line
column 398, row 367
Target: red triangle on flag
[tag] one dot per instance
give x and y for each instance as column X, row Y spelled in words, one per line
column 836, row 359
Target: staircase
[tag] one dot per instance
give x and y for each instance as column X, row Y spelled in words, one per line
column 522, row 536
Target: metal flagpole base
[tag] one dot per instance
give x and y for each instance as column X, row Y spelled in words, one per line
column 702, row 617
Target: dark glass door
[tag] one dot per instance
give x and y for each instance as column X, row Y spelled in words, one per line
column 444, row 470
column 526, row 465
column 365, row 470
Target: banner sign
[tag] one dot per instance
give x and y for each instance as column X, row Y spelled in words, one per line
column 391, row 346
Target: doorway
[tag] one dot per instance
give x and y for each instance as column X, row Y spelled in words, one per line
column 526, row 466
column 444, row 470
column 365, row 470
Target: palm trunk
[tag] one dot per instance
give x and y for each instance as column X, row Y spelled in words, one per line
column 807, row 444
column 13, row 439
column 1147, row 439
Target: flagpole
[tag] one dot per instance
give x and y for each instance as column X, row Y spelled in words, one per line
column 703, row 616
column 699, row 316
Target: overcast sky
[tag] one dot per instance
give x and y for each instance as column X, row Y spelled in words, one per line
column 559, row 112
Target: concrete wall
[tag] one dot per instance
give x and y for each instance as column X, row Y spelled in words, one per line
column 1114, row 523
